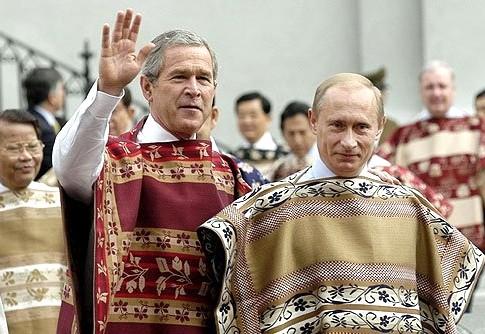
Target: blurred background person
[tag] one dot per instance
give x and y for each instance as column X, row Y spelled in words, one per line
column 251, row 175
column 378, row 79
column 480, row 103
column 123, row 116
column 295, row 127
column 253, row 111
column 444, row 148
column 44, row 91
column 32, row 250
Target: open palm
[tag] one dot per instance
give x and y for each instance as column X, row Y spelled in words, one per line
column 119, row 64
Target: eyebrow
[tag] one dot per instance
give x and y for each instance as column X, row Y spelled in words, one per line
column 192, row 70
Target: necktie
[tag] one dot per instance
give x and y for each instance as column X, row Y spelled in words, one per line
column 56, row 127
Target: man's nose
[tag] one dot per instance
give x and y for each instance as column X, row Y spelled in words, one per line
column 348, row 140
column 436, row 90
column 192, row 86
column 25, row 154
column 298, row 139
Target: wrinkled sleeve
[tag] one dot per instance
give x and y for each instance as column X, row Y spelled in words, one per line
column 79, row 146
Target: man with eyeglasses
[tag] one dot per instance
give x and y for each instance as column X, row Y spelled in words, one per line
column 32, row 250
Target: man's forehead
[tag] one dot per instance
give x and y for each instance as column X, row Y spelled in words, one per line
column 11, row 131
column 347, row 94
column 253, row 105
column 187, row 52
column 439, row 73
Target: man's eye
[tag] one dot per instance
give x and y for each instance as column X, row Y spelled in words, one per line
column 205, row 79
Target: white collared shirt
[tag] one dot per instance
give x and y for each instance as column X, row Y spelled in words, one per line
column 320, row 170
column 453, row 112
column 266, row 142
column 32, row 186
column 77, row 156
column 48, row 116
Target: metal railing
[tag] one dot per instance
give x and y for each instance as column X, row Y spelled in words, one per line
column 20, row 58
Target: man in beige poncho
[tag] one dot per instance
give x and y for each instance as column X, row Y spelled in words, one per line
column 333, row 249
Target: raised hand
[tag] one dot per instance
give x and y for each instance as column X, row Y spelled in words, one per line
column 119, row 64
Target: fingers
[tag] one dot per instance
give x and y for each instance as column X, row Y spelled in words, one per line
column 384, row 176
column 144, row 52
column 124, row 27
column 117, row 32
column 135, row 28
column 105, row 37
column 126, row 24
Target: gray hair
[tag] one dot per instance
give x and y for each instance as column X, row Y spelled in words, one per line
column 434, row 65
column 166, row 40
column 350, row 80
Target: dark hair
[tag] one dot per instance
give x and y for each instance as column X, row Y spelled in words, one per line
column 18, row 116
column 292, row 109
column 480, row 95
column 255, row 96
column 38, row 83
column 126, row 99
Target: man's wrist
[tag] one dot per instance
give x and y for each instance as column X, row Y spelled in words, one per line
column 108, row 89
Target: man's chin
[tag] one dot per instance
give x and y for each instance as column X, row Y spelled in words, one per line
column 347, row 170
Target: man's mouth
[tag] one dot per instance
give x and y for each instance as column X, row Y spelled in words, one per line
column 191, row 107
column 26, row 168
column 348, row 156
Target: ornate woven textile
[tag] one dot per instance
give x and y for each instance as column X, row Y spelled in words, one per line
column 338, row 256
column 260, row 159
column 150, row 274
column 447, row 154
column 409, row 179
column 32, row 259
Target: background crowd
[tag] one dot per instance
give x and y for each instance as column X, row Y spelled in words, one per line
column 113, row 166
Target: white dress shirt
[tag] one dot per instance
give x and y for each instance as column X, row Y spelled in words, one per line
column 453, row 112
column 48, row 116
column 32, row 186
column 266, row 142
column 78, row 150
column 3, row 320
column 319, row 169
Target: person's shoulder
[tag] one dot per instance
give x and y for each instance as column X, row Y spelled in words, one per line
column 42, row 187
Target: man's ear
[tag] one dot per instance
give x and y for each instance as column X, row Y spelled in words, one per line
column 383, row 123
column 146, row 88
column 214, row 116
column 131, row 112
column 312, row 117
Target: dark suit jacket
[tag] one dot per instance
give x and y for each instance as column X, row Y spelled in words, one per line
column 47, row 135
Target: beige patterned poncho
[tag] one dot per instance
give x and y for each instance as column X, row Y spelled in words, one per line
column 338, row 256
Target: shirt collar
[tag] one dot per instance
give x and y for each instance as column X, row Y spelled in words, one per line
column 320, row 170
column 48, row 116
column 32, row 186
column 152, row 132
column 453, row 112
column 266, row 142
column 214, row 145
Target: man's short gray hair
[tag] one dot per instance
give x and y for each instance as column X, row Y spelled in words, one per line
column 434, row 65
column 155, row 60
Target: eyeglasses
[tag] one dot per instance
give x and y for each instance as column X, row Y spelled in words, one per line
column 33, row 147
